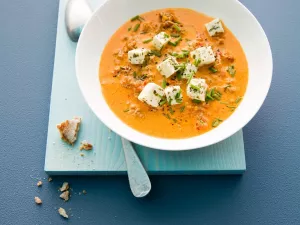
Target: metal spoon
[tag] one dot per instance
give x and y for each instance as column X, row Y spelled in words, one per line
column 77, row 14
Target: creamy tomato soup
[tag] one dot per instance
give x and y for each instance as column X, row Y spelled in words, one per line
column 173, row 73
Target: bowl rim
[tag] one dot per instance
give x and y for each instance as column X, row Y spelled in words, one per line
column 173, row 147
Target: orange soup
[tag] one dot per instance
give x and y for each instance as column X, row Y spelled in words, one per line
column 173, row 73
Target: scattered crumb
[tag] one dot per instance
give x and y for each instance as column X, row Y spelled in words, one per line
column 49, row 179
column 69, row 130
column 63, row 212
column 81, row 154
column 65, row 195
column 84, row 192
column 64, row 187
column 86, row 146
column 37, row 200
column 39, row 183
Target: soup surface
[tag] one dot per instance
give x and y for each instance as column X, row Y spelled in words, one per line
column 122, row 82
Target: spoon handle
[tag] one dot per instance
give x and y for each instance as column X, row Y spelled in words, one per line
column 138, row 178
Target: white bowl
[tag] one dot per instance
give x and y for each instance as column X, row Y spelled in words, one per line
column 113, row 13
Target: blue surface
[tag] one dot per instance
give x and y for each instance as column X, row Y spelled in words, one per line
column 268, row 193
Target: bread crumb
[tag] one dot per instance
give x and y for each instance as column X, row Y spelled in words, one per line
column 84, row 192
column 65, row 195
column 49, row 179
column 64, row 187
column 81, row 154
column 39, row 183
column 63, row 212
column 86, row 146
column 69, row 129
column 37, row 200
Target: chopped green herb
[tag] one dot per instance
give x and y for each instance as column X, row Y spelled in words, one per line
column 147, row 40
column 171, row 111
column 227, row 86
column 174, row 120
column 179, row 75
column 134, row 74
column 224, row 103
column 195, row 87
column 197, row 62
column 213, row 94
column 238, row 99
column 175, row 35
column 182, row 108
column 182, row 55
column 190, row 78
column 175, row 43
column 137, row 17
column 167, row 115
column 196, row 101
column 187, row 39
column 129, row 29
column 170, row 101
column 126, row 110
column 176, row 27
column 162, row 102
column 230, row 106
column 231, row 70
column 164, row 83
column 216, row 122
column 156, row 53
column 136, row 27
column 213, row 69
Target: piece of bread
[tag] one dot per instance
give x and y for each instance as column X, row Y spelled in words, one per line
column 69, row 130
column 86, row 146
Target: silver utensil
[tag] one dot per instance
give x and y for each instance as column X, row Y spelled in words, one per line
column 76, row 15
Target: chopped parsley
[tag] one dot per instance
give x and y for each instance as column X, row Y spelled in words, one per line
column 126, row 110
column 197, row 62
column 175, row 35
column 147, row 40
column 155, row 52
column 196, row 88
column 213, row 69
column 137, row 17
column 238, row 99
column 196, row 101
column 182, row 108
column 178, row 97
column 227, row 86
column 175, row 43
column 215, row 27
column 231, row 70
column 213, row 94
column 164, row 83
column 171, row 111
column 162, row 102
column 136, row 27
column 216, row 122
column 129, row 29
column 182, row 55
column 167, row 115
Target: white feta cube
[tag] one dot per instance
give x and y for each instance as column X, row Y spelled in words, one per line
column 173, row 94
column 190, row 70
column 137, row 56
column 214, row 27
column 160, row 40
column 203, row 55
column 196, row 89
column 168, row 67
column 151, row 94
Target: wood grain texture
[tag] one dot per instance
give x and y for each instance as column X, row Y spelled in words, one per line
column 226, row 157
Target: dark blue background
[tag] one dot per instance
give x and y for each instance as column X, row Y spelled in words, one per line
column 268, row 193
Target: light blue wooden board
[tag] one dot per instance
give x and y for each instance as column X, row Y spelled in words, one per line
column 107, row 157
